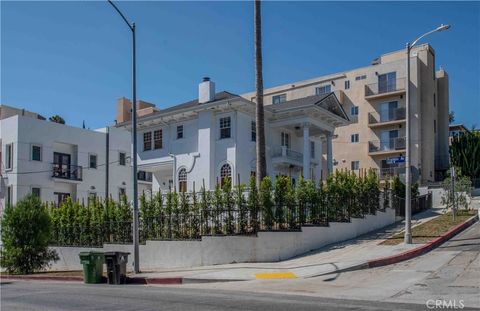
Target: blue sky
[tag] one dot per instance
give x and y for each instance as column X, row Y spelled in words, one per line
column 73, row 58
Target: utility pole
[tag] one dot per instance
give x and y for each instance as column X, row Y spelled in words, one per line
column 136, row 259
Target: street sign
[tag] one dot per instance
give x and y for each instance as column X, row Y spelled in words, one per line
column 394, row 160
column 414, row 174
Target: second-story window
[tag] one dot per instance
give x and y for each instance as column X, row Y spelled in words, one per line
column 277, row 99
column 324, row 89
column 225, row 127
column 286, row 140
column 147, row 141
column 92, row 161
column 253, row 131
column 347, row 84
column 179, row 131
column 9, row 156
column 36, row 153
column 354, row 110
column 354, row 138
column 122, row 158
column 158, row 139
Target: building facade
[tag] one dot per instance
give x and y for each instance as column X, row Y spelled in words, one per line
column 374, row 99
column 212, row 138
column 56, row 161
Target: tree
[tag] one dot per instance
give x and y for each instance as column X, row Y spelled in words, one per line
column 261, row 169
column 451, row 117
column 57, row 119
column 465, row 153
column 26, row 230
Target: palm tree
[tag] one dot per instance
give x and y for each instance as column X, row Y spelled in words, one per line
column 57, row 119
column 261, row 171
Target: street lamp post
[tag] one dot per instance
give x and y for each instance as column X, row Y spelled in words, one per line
column 136, row 260
column 408, row 179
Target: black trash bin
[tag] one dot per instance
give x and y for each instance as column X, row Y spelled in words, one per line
column 116, row 267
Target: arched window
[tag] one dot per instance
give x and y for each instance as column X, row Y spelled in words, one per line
column 182, row 180
column 225, row 174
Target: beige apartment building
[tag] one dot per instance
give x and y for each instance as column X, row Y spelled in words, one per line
column 374, row 99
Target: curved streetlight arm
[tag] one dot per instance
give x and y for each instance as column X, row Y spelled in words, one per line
column 439, row 28
column 131, row 26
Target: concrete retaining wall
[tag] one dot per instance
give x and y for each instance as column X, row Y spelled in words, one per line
column 212, row 250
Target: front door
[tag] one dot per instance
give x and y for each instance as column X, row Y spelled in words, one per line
column 61, row 165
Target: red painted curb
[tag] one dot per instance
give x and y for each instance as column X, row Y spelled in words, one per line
column 164, row 281
column 422, row 249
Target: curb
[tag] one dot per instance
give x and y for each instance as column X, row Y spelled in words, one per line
column 424, row 248
column 43, row 278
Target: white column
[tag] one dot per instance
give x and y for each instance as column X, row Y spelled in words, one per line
column 306, row 151
column 329, row 154
column 319, row 156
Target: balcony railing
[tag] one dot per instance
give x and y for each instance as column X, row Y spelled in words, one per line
column 282, row 151
column 391, row 115
column 387, row 145
column 388, row 172
column 67, row 171
column 385, row 88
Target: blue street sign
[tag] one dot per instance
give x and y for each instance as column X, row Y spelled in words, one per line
column 394, row 160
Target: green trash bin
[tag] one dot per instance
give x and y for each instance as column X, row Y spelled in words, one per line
column 92, row 266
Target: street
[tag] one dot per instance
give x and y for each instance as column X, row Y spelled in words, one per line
column 451, row 272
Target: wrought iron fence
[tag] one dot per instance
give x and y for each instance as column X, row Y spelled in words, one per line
column 419, row 204
column 173, row 224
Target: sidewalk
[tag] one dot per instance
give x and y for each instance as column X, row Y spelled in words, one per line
column 348, row 255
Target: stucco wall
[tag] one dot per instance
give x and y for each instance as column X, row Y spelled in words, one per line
column 211, row 250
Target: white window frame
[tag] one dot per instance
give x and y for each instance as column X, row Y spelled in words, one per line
column 354, row 138
column 31, row 152
column 119, row 157
column 278, row 99
column 149, row 146
column 253, row 131
column 354, row 110
column 39, row 190
column 180, row 130
column 9, row 156
column 225, row 123
column 90, row 162
column 285, row 140
column 355, row 165
column 160, row 139
column 322, row 89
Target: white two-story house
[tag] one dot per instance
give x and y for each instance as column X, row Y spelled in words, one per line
column 204, row 141
column 56, row 161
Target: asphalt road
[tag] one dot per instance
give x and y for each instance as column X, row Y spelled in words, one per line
column 451, row 272
column 21, row 295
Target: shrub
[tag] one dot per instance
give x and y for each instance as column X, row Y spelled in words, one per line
column 266, row 202
column 26, row 230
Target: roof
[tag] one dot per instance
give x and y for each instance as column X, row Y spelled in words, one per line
column 462, row 127
column 328, row 102
column 220, row 96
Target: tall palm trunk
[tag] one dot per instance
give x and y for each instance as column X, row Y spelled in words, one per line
column 261, row 171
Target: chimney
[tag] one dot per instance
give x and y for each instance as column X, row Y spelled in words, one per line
column 206, row 91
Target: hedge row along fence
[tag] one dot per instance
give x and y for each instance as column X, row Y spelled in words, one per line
column 227, row 210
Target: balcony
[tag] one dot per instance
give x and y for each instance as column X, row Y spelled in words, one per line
column 282, row 154
column 393, row 117
column 67, row 172
column 390, row 172
column 382, row 90
column 391, row 146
